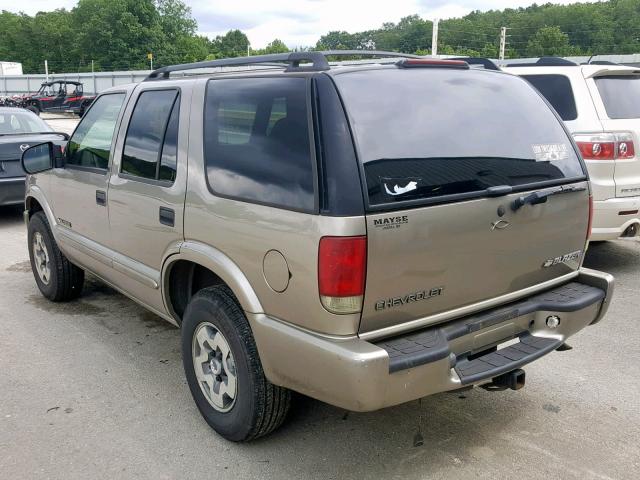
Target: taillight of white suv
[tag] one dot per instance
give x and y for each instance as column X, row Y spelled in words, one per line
column 605, row 146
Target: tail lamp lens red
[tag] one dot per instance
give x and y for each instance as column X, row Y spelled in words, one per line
column 342, row 268
column 605, row 146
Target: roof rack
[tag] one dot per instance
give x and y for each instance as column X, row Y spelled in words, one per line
column 545, row 62
column 485, row 62
column 290, row 61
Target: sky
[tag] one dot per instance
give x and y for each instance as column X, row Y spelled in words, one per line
column 302, row 22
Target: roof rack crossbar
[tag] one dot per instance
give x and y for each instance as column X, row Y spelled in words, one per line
column 293, row 61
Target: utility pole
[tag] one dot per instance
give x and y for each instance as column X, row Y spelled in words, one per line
column 46, row 71
column 91, row 66
column 150, row 57
column 434, row 38
column 503, row 42
column 248, row 50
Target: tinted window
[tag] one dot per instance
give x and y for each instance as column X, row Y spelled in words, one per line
column 21, row 122
column 426, row 133
column 143, row 153
column 557, row 90
column 620, row 95
column 91, row 142
column 257, row 141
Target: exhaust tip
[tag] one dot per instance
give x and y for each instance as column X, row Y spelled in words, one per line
column 631, row 231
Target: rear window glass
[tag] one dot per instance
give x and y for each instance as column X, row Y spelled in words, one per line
column 425, row 134
column 620, row 95
column 557, row 90
column 256, row 138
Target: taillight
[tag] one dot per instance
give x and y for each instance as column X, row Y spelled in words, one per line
column 605, row 146
column 590, row 223
column 342, row 266
column 626, row 148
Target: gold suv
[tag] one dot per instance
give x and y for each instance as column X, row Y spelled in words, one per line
column 366, row 232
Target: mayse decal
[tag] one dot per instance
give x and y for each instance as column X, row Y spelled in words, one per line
column 387, row 223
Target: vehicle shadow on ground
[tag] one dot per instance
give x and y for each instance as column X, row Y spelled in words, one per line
column 615, row 257
column 10, row 215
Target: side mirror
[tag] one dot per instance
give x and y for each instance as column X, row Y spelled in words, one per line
column 41, row 157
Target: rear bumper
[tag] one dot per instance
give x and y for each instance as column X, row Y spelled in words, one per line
column 612, row 217
column 358, row 375
column 12, row 191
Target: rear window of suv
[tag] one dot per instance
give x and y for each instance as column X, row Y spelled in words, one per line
column 436, row 135
column 620, row 95
column 557, row 90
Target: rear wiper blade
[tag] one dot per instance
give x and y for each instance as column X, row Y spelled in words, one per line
column 541, row 196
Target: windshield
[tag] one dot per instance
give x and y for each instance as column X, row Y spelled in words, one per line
column 21, row 122
column 428, row 133
column 620, row 95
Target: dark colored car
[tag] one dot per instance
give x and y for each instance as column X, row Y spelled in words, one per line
column 58, row 96
column 19, row 129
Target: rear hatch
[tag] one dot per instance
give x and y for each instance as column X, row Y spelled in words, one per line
column 619, row 91
column 444, row 154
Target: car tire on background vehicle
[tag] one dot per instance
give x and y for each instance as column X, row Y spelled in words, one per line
column 34, row 109
column 217, row 340
column 57, row 278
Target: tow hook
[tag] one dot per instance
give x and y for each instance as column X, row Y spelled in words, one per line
column 513, row 380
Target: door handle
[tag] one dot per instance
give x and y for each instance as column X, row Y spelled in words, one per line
column 167, row 216
column 101, row 197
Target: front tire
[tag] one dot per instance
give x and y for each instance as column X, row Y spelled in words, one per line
column 224, row 371
column 58, row 279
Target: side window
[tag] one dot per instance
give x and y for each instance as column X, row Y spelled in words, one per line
column 558, row 92
column 150, row 146
column 91, row 142
column 256, row 139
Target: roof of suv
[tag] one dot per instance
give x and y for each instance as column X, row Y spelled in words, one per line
column 313, row 62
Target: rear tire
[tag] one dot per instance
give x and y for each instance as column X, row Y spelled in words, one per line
column 217, row 341
column 58, row 279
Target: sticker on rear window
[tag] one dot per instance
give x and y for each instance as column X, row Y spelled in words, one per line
column 400, row 186
column 550, row 152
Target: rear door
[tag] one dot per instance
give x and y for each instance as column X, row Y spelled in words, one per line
column 617, row 98
column 147, row 189
column 445, row 153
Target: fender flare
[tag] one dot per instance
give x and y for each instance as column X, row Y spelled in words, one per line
column 33, row 191
column 220, row 264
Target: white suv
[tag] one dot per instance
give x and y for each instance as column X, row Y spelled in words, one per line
column 600, row 104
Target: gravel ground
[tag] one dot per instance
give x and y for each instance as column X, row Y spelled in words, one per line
column 95, row 389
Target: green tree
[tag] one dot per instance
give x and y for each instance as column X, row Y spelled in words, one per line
column 276, row 46
column 549, row 41
column 234, row 43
